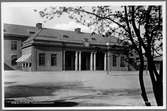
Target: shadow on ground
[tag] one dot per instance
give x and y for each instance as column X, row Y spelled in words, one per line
column 13, row 103
column 37, row 89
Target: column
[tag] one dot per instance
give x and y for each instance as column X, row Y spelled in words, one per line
column 94, row 61
column 63, row 60
column 91, row 61
column 76, row 60
column 79, row 60
column 105, row 61
column 108, row 61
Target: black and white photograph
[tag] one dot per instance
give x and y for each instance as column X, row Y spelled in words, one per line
column 83, row 55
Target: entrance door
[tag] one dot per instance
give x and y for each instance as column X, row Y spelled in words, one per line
column 85, row 61
column 99, row 61
column 70, row 60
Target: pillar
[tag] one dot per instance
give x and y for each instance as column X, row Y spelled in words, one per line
column 76, row 60
column 105, row 61
column 79, row 60
column 91, row 61
column 94, row 61
column 63, row 60
column 108, row 61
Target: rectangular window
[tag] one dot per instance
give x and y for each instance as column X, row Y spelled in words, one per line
column 41, row 59
column 29, row 64
column 13, row 60
column 13, row 45
column 53, row 59
column 114, row 60
column 122, row 64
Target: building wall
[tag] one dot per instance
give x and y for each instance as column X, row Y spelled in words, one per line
column 118, row 59
column 54, row 50
column 34, row 58
column 48, row 51
column 8, row 52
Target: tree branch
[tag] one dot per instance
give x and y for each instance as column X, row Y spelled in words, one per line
column 107, row 18
column 129, row 30
column 147, row 27
column 137, row 31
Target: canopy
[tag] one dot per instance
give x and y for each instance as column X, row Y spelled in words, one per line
column 24, row 58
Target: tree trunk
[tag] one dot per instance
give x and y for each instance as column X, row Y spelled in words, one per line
column 160, row 85
column 156, row 82
column 144, row 94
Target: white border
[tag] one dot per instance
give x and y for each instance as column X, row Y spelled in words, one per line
column 2, row 58
column 45, row 4
column 164, row 53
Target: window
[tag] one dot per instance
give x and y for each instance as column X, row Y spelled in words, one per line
column 93, row 38
column 114, row 60
column 65, row 36
column 41, row 59
column 13, row 60
column 29, row 64
column 86, row 39
column 122, row 64
column 13, row 45
column 53, row 59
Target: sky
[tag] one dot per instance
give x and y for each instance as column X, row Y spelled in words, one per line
column 22, row 13
column 26, row 16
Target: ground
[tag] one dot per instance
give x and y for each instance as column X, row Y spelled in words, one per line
column 73, row 88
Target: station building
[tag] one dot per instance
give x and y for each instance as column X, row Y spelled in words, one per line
column 43, row 49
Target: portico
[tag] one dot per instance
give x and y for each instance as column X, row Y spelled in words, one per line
column 85, row 60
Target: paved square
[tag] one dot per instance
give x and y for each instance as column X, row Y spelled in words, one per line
column 86, row 88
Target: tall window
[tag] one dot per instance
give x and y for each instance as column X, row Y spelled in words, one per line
column 114, row 60
column 13, row 45
column 53, row 59
column 13, row 60
column 41, row 59
column 122, row 64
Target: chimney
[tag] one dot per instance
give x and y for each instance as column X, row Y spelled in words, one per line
column 78, row 30
column 39, row 25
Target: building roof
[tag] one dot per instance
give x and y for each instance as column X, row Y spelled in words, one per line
column 21, row 30
column 49, row 34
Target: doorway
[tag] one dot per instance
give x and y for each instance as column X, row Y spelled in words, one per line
column 85, row 61
column 70, row 60
column 100, row 61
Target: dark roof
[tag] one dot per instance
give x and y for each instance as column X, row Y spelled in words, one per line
column 17, row 29
column 59, row 35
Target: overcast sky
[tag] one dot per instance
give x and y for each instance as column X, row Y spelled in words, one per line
column 22, row 13
column 26, row 16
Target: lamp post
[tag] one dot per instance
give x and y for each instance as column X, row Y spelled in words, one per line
column 108, row 57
